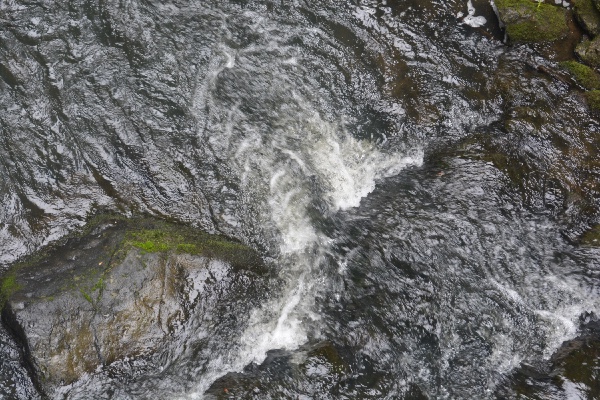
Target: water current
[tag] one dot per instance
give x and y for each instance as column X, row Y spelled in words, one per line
column 349, row 142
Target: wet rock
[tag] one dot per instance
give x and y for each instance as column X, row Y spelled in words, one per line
column 588, row 16
column 528, row 21
column 593, row 100
column 584, row 75
column 572, row 372
column 14, row 380
column 118, row 292
column 318, row 371
column 591, row 237
column 589, row 52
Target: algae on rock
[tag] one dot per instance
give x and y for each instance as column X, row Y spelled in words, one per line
column 584, row 75
column 593, row 99
column 529, row 21
column 118, row 291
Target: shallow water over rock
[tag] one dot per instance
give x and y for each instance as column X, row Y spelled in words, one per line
column 419, row 187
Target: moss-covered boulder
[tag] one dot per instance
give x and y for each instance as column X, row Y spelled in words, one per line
column 119, row 291
column 593, row 100
column 584, row 75
column 589, row 52
column 588, row 16
column 530, row 21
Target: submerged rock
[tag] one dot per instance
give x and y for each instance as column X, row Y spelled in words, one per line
column 320, row 364
column 529, row 21
column 118, row 292
column 573, row 372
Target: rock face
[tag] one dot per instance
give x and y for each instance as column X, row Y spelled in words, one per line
column 116, row 292
column 529, row 21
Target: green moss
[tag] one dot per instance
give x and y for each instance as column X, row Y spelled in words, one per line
column 187, row 248
column 163, row 237
column 86, row 296
column 181, row 240
column 585, row 6
column 157, row 240
column 529, row 21
column 585, row 76
column 150, row 235
column 151, row 247
column 99, row 285
column 8, row 286
column 593, row 99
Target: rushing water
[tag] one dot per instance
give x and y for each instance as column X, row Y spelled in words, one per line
column 347, row 142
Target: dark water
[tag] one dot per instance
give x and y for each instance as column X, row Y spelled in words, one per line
column 418, row 186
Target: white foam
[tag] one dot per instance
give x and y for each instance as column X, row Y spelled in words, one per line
column 471, row 19
column 304, row 160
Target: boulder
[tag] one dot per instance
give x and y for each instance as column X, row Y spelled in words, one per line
column 589, row 52
column 119, row 291
column 584, row 75
column 530, row 21
column 588, row 16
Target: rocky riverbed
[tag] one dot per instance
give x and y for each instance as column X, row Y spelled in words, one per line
column 299, row 199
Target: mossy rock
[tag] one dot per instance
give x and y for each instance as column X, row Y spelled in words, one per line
column 529, row 21
column 8, row 286
column 593, row 99
column 584, row 75
column 588, row 16
column 119, row 289
column 589, row 52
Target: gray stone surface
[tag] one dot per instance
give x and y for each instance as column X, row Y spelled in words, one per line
column 94, row 301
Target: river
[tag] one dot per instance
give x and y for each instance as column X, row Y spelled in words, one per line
column 355, row 144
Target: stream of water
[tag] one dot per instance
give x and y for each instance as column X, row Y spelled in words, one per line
column 343, row 139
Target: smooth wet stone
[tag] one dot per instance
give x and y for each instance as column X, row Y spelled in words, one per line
column 528, row 21
column 587, row 15
column 114, row 294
